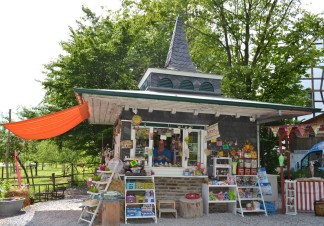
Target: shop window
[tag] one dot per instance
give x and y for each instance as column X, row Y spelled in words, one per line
column 194, row 150
column 167, row 149
column 142, row 141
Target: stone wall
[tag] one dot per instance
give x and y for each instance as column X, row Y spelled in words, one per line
column 175, row 188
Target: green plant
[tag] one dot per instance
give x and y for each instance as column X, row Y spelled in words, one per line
column 4, row 188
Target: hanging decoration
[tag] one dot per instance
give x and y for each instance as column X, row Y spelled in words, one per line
column 301, row 130
column 275, row 130
column 316, row 129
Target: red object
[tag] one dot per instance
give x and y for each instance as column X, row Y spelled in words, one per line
column 102, row 167
column 307, row 193
column 192, row 196
column 247, row 171
column 240, row 171
column 253, row 171
column 17, row 168
column 51, row 125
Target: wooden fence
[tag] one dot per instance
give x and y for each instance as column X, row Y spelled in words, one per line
column 56, row 185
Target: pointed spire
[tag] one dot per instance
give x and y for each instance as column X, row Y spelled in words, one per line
column 178, row 56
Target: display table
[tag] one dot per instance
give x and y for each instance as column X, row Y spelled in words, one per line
column 307, row 192
column 191, row 208
column 110, row 213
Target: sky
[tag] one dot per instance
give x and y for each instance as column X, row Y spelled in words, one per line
column 30, row 35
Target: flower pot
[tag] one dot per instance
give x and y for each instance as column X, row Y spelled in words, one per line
column 10, row 206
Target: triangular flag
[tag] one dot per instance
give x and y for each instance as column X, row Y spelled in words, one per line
column 316, row 129
column 301, row 130
column 275, row 130
column 288, row 129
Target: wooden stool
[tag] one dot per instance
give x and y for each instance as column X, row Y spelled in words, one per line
column 172, row 209
column 191, row 208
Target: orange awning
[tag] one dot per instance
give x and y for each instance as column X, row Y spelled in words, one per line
column 51, row 125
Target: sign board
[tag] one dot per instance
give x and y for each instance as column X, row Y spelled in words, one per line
column 212, row 132
column 137, row 120
column 126, row 144
column 176, row 131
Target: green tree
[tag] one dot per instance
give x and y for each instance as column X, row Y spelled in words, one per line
column 261, row 47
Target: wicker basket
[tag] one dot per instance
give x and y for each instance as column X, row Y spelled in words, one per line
column 319, row 207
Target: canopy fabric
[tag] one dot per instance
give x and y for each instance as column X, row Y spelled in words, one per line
column 51, row 125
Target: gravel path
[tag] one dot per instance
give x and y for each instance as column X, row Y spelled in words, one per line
column 66, row 213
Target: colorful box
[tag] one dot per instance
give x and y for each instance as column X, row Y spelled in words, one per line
column 130, row 199
column 130, row 185
column 133, row 212
column 148, row 185
column 139, row 185
column 140, row 199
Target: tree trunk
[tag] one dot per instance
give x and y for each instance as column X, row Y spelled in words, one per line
column 191, row 208
column 23, row 167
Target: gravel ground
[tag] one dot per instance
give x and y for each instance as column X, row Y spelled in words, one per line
column 67, row 211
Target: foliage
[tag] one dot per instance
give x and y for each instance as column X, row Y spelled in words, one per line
column 261, row 47
column 269, row 151
column 4, row 188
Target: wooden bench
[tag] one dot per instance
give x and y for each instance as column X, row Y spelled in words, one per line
column 168, row 206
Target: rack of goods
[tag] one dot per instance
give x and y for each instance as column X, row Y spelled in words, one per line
column 247, row 166
column 219, row 192
column 99, row 184
column 140, row 200
column 222, row 168
column 290, row 188
column 249, row 195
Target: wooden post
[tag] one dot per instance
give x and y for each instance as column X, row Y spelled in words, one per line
column 8, row 147
column 72, row 176
column 53, row 181
column 288, row 156
column 282, row 180
column 32, row 176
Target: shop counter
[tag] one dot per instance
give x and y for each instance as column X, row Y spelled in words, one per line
column 307, row 192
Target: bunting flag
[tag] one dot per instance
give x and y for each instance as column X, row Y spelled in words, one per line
column 275, row 130
column 301, row 130
column 316, row 129
column 17, row 168
column 288, row 130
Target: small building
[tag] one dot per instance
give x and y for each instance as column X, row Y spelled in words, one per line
column 186, row 110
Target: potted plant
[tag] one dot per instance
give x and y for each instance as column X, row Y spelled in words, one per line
column 9, row 205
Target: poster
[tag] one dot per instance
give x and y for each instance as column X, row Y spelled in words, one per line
column 212, row 132
column 126, row 144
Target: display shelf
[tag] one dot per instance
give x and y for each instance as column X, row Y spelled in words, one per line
column 140, row 189
column 90, row 210
column 207, row 188
column 146, row 209
column 290, row 199
column 140, row 203
column 243, row 182
column 222, row 167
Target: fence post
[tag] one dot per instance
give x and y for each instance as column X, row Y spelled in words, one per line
column 53, row 181
column 72, row 174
